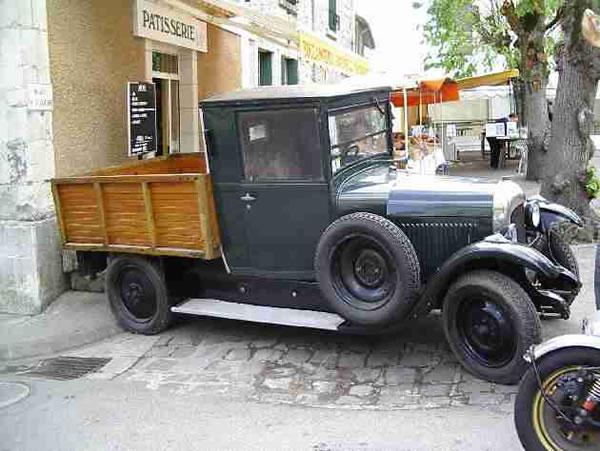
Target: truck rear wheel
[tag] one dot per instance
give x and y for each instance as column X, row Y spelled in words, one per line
column 368, row 270
column 490, row 322
column 138, row 296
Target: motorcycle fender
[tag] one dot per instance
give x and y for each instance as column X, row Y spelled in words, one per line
column 496, row 251
column 564, row 341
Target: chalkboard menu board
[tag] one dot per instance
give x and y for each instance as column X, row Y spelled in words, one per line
column 141, row 113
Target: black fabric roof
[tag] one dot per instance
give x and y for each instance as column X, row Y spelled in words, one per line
column 291, row 92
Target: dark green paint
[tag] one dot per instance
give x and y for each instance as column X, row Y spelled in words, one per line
column 265, row 68
column 276, row 234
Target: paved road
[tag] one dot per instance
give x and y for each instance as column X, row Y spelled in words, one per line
column 120, row 415
column 233, row 384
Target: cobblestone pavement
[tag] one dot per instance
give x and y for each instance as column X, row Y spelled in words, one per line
column 297, row 366
column 411, row 370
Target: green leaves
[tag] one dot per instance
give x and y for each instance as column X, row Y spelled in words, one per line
column 470, row 36
column 538, row 7
column 591, row 182
column 451, row 34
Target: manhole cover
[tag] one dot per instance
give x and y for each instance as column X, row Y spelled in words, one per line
column 66, row 368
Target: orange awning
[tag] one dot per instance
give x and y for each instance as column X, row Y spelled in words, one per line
column 429, row 91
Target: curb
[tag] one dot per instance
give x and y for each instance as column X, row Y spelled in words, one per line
column 75, row 319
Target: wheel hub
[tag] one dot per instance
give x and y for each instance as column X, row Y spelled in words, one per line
column 137, row 293
column 369, row 268
column 364, row 274
column 487, row 331
column 569, row 430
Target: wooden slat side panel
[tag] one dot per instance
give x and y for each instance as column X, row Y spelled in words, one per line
column 59, row 214
column 149, row 213
column 125, row 214
column 173, row 164
column 175, row 209
column 79, row 213
column 208, row 218
column 214, row 223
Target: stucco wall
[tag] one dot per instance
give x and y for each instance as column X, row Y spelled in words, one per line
column 93, row 54
column 220, row 69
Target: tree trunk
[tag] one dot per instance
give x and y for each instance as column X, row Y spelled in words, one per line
column 570, row 145
column 536, row 120
column 534, row 79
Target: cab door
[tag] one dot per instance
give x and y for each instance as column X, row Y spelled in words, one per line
column 284, row 192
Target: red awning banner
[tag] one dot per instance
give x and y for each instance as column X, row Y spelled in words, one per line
column 428, row 92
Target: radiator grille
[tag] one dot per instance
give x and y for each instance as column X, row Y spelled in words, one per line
column 435, row 241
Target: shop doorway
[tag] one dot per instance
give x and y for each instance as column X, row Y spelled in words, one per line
column 165, row 75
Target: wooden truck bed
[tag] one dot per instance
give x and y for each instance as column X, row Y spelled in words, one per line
column 162, row 206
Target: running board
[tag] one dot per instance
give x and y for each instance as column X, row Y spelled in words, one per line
column 259, row 314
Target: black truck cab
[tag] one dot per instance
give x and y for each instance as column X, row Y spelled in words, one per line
column 273, row 171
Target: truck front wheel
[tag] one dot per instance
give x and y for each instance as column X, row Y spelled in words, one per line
column 138, row 294
column 490, row 322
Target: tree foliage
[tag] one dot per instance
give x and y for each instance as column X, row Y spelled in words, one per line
column 470, row 36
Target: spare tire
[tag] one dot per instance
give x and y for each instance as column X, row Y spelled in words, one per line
column 368, row 270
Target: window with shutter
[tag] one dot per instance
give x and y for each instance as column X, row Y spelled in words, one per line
column 333, row 17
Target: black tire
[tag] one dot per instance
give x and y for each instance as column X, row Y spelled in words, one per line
column 490, row 322
column 534, row 419
column 367, row 270
column 562, row 252
column 557, row 249
column 138, row 295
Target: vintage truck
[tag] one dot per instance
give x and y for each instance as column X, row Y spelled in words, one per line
column 311, row 224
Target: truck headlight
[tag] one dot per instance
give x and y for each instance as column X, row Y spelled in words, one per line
column 533, row 215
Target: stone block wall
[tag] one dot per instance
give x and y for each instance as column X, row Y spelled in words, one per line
column 30, row 255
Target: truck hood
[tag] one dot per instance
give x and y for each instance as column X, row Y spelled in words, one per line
column 400, row 194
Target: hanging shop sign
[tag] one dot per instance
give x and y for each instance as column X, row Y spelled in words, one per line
column 313, row 49
column 141, row 117
column 163, row 24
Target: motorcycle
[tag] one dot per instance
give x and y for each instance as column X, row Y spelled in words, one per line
column 558, row 403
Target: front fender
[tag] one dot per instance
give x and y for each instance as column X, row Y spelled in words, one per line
column 493, row 253
column 564, row 341
column 554, row 213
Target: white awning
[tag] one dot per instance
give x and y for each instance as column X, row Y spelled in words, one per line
column 485, row 92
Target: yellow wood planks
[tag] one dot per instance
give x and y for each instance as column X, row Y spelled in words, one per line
column 156, row 214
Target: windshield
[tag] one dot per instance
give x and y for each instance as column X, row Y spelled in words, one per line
column 356, row 134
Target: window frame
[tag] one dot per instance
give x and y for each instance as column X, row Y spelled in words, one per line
column 320, row 156
column 333, row 24
column 261, row 73
column 387, row 131
column 173, row 100
column 285, row 71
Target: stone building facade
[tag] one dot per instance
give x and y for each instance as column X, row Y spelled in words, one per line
column 331, row 21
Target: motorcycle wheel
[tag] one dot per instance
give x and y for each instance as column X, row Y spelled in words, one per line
column 539, row 426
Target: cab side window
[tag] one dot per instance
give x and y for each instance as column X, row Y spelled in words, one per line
column 281, row 144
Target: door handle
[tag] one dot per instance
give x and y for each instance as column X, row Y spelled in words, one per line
column 248, row 198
